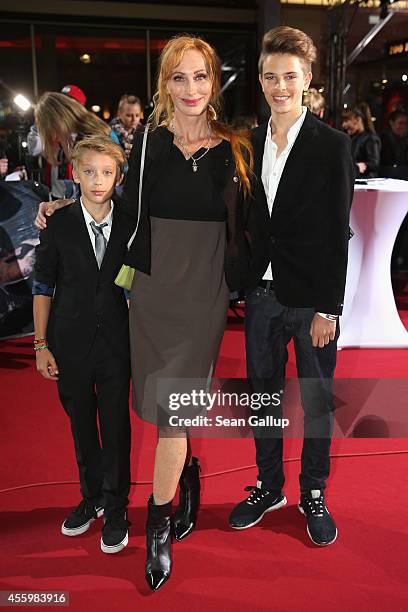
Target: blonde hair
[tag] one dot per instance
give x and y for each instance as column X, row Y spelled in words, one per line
column 314, row 100
column 100, row 144
column 58, row 117
column 163, row 109
column 128, row 99
column 286, row 40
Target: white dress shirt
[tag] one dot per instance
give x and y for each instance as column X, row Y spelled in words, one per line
column 273, row 166
column 105, row 230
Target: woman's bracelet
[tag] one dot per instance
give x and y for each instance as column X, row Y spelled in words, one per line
column 39, row 341
column 41, row 347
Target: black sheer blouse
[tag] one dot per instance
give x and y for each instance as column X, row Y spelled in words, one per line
column 217, row 196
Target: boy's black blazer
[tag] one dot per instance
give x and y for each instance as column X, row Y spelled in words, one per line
column 306, row 238
column 86, row 298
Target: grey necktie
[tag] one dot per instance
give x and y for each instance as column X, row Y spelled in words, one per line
column 100, row 241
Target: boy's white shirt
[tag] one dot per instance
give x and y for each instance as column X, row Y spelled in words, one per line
column 89, row 219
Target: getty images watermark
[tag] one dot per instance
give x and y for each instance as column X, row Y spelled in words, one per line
column 204, row 400
column 241, row 408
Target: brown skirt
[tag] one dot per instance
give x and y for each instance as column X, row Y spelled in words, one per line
column 177, row 315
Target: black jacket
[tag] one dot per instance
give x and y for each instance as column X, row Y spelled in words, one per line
column 85, row 298
column 306, row 238
column 158, row 149
column 366, row 147
column 394, row 150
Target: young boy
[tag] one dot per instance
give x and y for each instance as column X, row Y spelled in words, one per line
column 127, row 121
column 81, row 335
column 299, row 231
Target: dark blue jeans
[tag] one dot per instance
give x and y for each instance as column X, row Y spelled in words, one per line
column 269, row 326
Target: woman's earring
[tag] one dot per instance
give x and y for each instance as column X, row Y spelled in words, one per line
column 211, row 113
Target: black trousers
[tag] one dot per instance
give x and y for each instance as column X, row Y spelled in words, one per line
column 94, row 389
column 269, row 326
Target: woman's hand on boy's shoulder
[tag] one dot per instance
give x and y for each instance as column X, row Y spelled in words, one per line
column 47, row 209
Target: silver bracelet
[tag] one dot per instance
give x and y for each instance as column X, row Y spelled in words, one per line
column 329, row 317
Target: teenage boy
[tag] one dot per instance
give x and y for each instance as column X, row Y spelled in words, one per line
column 81, row 336
column 298, row 225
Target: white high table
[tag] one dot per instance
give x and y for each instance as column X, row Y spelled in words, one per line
column 370, row 317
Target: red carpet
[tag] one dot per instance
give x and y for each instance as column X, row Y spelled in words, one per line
column 273, row 566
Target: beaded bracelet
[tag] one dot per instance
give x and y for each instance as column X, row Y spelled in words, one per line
column 39, row 348
column 39, row 340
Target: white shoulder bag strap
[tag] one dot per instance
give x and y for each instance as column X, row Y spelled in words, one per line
column 142, row 162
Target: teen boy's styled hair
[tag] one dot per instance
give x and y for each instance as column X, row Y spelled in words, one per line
column 100, row 144
column 290, row 41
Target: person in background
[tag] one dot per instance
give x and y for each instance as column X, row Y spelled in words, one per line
column 315, row 102
column 365, row 144
column 127, row 121
column 394, row 151
column 34, row 144
column 61, row 122
column 55, row 176
column 394, row 164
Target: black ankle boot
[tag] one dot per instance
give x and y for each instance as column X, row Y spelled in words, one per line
column 186, row 514
column 158, row 544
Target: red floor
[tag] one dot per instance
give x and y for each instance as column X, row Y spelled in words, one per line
column 273, row 566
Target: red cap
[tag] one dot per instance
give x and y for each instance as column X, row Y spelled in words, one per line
column 74, row 92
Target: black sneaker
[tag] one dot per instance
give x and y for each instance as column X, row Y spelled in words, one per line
column 250, row 511
column 320, row 525
column 115, row 531
column 81, row 518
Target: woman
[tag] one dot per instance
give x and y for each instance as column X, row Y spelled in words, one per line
column 188, row 246
column 179, row 298
column 365, row 144
column 61, row 121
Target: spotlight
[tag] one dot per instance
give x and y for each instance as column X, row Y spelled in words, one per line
column 404, row 77
column 106, row 114
column 85, row 58
column 95, row 108
column 22, row 102
column 384, row 81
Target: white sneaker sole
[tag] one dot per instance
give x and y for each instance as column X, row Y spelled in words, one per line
column 116, row 548
column 282, row 503
column 78, row 530
column 308, row 532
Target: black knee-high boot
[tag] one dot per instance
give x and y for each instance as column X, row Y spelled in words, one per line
column 158, row 543
column 186, row 514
